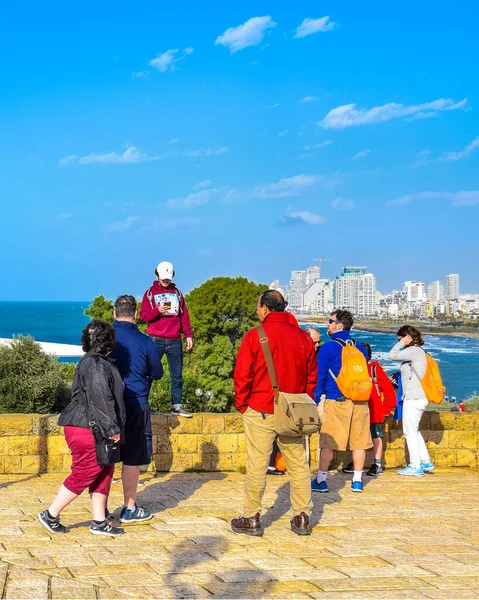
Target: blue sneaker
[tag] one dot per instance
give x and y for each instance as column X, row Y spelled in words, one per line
column 428, row 467
column 410, row 470
column 357, row 486
column 135, row 516
column 319, row 487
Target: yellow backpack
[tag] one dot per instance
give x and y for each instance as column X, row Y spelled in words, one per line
column 432, row 382
column 353, row 379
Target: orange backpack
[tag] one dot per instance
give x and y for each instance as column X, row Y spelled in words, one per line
column 432, row 382
column 353, row 379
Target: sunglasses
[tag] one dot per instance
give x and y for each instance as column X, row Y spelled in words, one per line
column 332, row 321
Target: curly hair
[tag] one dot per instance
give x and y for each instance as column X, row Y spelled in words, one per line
column 417, row 339
column 273, row 300
column 98, row 336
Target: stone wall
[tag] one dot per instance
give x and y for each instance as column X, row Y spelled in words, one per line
column 214, row 442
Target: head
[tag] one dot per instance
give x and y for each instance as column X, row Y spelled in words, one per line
column 270, row 301
column 165, row 273
column 125, row 308
column 315, row 336
column 99, row 337
column 368, row 349
column 341, row 320
column 415, row 334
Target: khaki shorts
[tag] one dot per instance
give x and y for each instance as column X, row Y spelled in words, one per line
column 320, row 411
column 343, row 423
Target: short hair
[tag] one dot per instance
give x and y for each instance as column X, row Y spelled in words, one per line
column 368, row 349
column 98, row 336
column 310, row 330
column 125, row 306
column 273, row 301
column 417, row 339
column 345, row 317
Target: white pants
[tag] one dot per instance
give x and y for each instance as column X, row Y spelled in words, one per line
column 411, row 415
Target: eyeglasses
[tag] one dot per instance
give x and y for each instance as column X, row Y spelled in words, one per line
column 332, row 321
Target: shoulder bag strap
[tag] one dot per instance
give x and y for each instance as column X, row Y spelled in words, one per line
column 268, row 357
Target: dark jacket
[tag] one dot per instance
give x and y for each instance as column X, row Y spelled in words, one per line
column 137, row 361
column 97, row 393
column 171, row 325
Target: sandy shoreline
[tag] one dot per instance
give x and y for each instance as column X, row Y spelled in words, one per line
column 62, row 350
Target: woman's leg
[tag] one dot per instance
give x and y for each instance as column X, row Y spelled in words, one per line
column 63, row 499
column 99, row 492
column 412, row 413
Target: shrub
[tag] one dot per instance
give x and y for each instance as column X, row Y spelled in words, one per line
column 31, row 381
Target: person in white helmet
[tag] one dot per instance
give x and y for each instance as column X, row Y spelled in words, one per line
column 164, row 309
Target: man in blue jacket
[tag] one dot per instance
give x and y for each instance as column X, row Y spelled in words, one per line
column 139, row 364
column 344, row 422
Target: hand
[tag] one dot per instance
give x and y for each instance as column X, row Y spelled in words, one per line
column 189, row 344
column 115, row 438
column 407, row 340
column 162, row 309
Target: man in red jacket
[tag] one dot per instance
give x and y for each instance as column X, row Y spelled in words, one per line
column 296, row 369
column 164, row 309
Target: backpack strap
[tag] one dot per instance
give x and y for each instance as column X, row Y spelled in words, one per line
column 268, row 357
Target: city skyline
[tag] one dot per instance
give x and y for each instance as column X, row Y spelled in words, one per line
column 235, row 139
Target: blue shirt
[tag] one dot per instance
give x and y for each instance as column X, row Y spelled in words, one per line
column 330, row 358
column 137, row 361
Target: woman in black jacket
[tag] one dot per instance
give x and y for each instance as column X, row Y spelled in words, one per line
column 97, row 395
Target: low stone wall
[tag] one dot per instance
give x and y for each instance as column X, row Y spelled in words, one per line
column 214, row 442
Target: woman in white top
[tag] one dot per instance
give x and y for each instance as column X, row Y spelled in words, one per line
column 413, row 367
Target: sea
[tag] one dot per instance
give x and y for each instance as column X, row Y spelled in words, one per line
column 62, row 322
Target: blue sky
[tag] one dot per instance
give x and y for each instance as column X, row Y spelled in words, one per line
column 235, row 139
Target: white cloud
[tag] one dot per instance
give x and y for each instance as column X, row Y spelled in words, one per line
column 320, row 145
column 309, row 99
column 284, row 132
column 286, row 188
column 201, row 152
column 131, row 156
column 167, row 60
column 465, row 198
column 361, row 154
column 192, row 200
column 123, row 226
column 464, row 153
column 140, row 74
column 301, row 217
column 250, row 33
column 202, row 184
column 174, row 141
column 343, row 204
column 272, row 105
column 62, row 217
column 309, row 26
column 349, row 116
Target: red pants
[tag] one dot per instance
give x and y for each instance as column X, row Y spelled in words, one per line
column 86, row 473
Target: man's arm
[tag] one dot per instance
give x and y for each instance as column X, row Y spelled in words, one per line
column 155, row 368
column 323, row 370
column 312, row 371
column 148, row 311
column 243, row 375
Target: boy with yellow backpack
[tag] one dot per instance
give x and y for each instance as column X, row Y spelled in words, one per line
column 344, row 379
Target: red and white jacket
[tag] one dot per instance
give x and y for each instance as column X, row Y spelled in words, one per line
column 383, row 396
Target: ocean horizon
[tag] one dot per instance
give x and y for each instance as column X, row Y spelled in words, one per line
column 62, row 322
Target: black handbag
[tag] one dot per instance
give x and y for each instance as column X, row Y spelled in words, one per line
column 107, row 451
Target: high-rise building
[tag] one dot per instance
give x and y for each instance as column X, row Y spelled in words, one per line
column 435, row 293
column 415, row 291
column 312, row 274
column 355, row 290
column 452, row 287
column 297, row 285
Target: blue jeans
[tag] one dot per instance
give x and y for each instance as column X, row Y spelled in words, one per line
column 174, row 355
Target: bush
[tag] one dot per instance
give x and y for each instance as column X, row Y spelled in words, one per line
column 31, row 381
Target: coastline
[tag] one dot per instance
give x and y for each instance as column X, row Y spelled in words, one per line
column 435, row 332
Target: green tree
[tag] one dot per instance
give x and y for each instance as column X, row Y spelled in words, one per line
column 101, row 309
column 31, row 381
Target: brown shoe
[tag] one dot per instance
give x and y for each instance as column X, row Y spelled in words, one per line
column 300, row 524
column 247, row 525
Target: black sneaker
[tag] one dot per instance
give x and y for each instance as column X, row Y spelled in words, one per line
column 53, row 525
column 106, row 528
column 181, row 412
column 348, row 468
column 374, row 471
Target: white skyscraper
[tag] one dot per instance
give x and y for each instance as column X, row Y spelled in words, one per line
column 435, row 293
column 414, row 291
column 297, row 285
column 356, row 290
column 452, row 287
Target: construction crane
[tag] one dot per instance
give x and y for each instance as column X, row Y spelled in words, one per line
column 319, row 261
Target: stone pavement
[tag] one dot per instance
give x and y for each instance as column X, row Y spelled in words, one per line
column 402, row 538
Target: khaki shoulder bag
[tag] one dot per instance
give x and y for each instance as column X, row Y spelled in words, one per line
column 295, row 415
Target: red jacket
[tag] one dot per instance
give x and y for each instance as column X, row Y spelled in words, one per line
column 167, row 326
column 383, row 396
column 294, row 360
